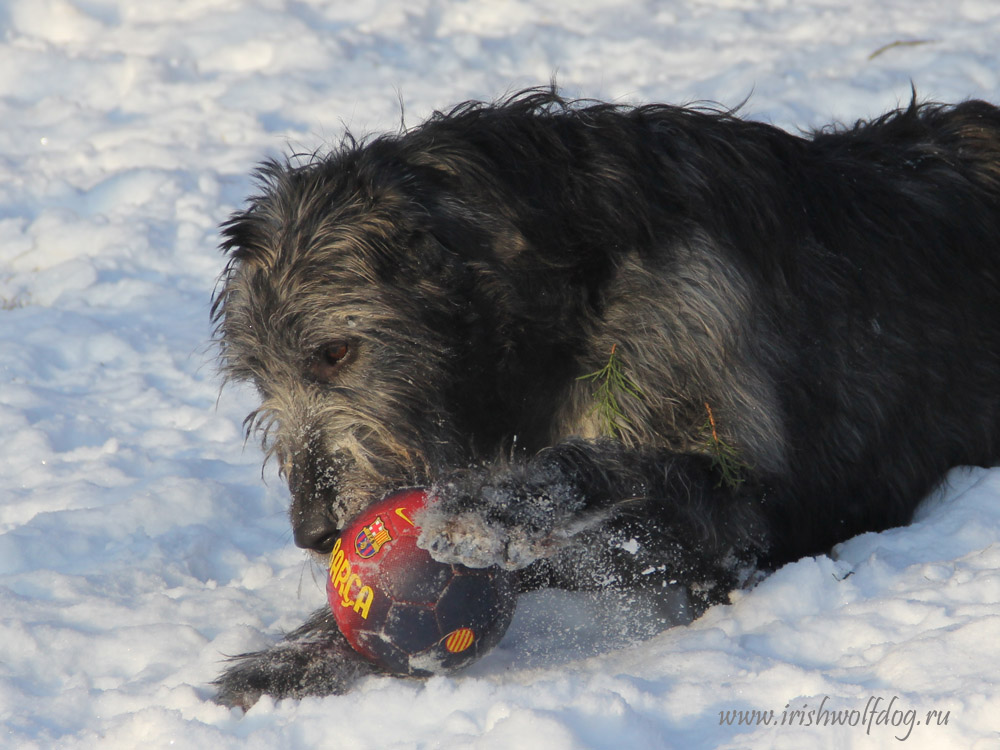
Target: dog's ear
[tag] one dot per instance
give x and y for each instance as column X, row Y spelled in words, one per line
column 457, row 211
column 474, row 235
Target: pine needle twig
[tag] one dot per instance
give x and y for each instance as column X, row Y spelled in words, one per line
column 612, row 383
column 725, row 458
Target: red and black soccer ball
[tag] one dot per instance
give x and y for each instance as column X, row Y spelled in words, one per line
column 403, row 609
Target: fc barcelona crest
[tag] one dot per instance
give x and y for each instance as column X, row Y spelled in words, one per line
column 371, row 538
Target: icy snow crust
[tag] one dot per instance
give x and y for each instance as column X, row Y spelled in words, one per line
column 138, row 544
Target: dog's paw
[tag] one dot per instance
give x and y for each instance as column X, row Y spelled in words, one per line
column 473, row 540
column 482, row 521
column 311, row 661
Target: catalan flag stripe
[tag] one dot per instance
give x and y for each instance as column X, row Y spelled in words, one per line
column 459, row 640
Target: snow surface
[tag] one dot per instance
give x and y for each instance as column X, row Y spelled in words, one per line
column 138, row 544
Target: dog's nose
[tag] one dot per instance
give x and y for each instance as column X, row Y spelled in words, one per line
column 314, row 524
column 316, row 533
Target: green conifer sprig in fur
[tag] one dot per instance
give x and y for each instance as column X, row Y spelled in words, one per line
column 725, row 458
column 611, row 384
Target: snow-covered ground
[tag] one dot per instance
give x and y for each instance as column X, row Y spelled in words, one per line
column 138, row 544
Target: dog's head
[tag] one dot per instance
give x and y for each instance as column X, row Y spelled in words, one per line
column 379, row 318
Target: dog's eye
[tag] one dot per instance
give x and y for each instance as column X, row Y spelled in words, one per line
column 328, row 360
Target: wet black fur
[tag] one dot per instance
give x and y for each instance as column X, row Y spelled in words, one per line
column 832, row 299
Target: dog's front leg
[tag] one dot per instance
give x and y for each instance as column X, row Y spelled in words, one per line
column 598, row 504
column 315, row 659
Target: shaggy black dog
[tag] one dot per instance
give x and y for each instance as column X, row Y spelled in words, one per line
column 625, row 346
